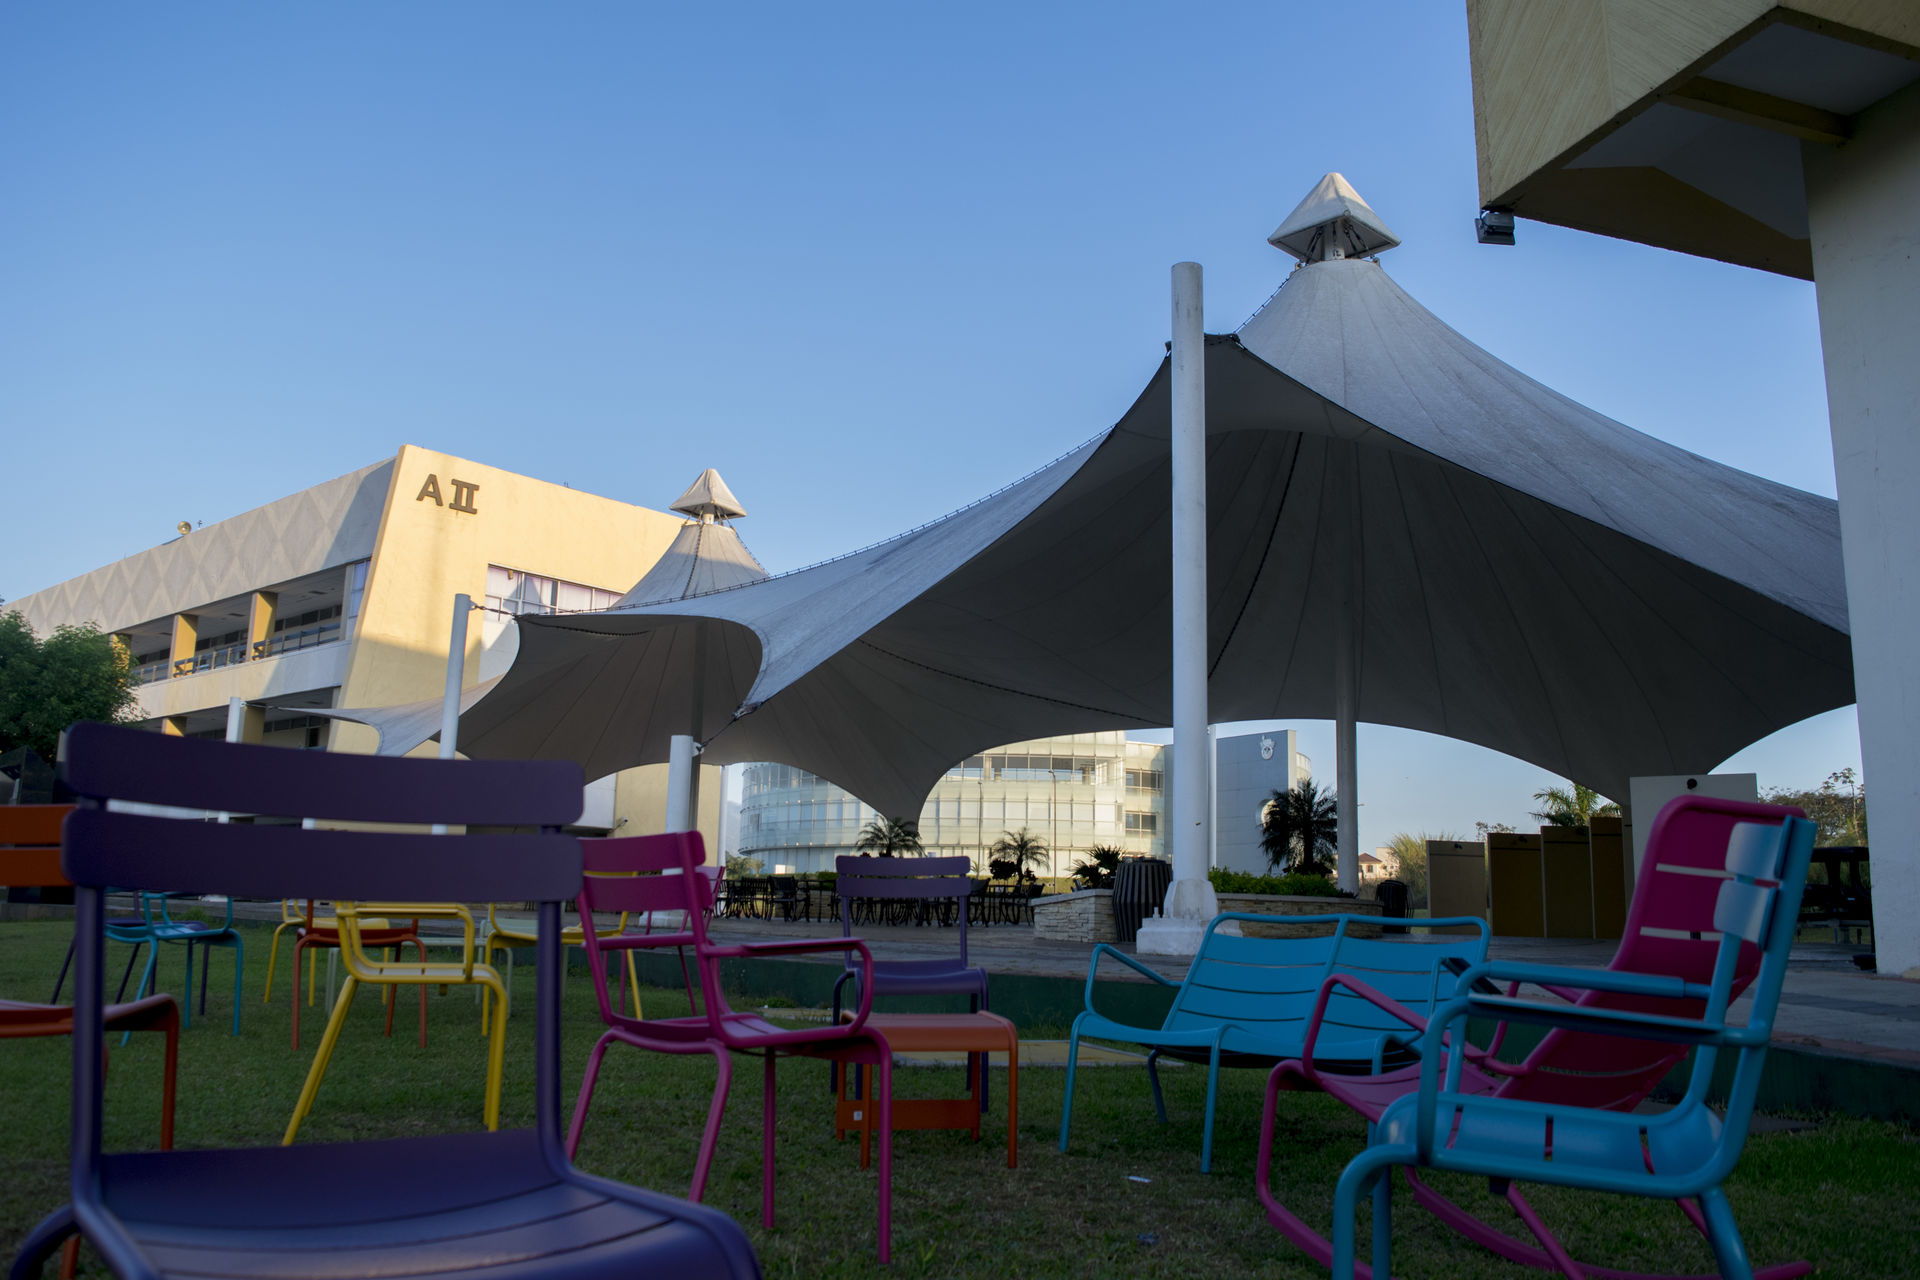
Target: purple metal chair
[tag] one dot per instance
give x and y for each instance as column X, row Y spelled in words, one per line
column 609, row 886
column 499, row 1205
column 1670, row 937
column 922, row 882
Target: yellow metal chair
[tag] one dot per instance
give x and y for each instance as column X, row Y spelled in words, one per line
column 507, row 938
column 292, row 916
column 362, row 967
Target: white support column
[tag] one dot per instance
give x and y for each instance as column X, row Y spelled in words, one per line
column 1190, row 901
column 1860, row 203
column 680, row 766
column 456, row 677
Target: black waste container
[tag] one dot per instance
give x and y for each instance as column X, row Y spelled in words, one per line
column 1139, row 887
column 1392, row 897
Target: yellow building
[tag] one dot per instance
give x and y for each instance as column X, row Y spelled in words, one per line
column 341, row 596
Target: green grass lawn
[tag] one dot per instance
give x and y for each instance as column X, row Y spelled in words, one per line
column 1843, row 1193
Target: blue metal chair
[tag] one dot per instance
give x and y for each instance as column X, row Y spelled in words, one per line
column 504, row 1205
column 155, row 925
column 1682, row 1154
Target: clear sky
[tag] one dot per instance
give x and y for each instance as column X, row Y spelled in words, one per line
column 870, row 261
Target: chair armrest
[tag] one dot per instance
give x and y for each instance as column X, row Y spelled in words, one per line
column 1386, row 1004
column 1093, row 968
column 748, row 950
column 1565, row 981
column 352, row 911
column 1614, row 1022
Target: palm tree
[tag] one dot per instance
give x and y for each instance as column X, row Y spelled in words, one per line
column 1019, row 848
column 1096, row 871
column 1299, row 829
column 889, row 838
column 1572, row 806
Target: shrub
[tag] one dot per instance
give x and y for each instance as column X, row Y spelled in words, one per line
column 1298, row 883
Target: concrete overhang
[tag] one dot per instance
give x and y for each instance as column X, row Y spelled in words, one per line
column 1678, row 123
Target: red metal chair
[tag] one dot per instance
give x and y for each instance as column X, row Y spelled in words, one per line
column 30, row 858
column 322, row 933
column 611, row 885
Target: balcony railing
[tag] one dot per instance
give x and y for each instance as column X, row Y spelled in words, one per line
column 233, row 655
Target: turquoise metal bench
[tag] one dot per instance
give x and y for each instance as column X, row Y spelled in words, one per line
column 1246, row 1002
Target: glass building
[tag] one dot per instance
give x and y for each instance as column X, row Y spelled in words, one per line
column 1071, row 792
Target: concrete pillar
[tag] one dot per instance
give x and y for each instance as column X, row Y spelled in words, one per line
column 173, row 726
column 186, row 634
column 680, row 783
column 260, row 615
column 1861, row 199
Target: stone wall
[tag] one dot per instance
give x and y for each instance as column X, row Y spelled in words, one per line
column 1286, row 904
column 1086, row 916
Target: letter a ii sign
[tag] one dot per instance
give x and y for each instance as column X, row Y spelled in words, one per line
column 462, row 499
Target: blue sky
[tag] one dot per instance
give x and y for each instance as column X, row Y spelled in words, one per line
column 870, row 261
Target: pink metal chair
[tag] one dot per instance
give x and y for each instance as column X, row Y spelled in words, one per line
column 611, row 885
column 1669, row 933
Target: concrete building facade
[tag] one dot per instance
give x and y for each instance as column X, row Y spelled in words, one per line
column 1784, row 137
column 341, row 595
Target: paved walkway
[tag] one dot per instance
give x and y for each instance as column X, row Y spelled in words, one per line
column 1827, row 1004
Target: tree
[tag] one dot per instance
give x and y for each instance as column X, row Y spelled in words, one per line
column 1097, row 869
column 1299, row 830
column 1021, row 848
column 740, row 864
column 75, row 674
column 1839, row 807
column 1411, row 849
column 889, row 838
column 1572, row 806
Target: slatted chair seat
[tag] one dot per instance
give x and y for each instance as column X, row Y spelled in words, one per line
column 1247, row 1001
column 500, row 1205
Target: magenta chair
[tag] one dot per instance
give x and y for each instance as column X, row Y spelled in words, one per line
column 1669, row 937
column 611, row 885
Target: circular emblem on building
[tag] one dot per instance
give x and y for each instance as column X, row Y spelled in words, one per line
column 1266, row 748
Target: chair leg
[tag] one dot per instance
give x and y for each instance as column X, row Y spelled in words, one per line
column 70, row 1258
column 710, row 1136
column 766, row 1147
column 633, row 980
column 120, row 995
column 1356, row 1179
column 1213, row 1091
column 585, row 1097
column 1153, row 1083
column 50, row 1234
column 1066, row 1102
column 421, row 946
column 1729, row 1250
column 65, row 965
column 169, row 1075
column 1383, row 1225
column 318, row 1070
column 206, row 967
column 883, row 1102
column 273, row 958
column 239, row 967
column 496, row 1060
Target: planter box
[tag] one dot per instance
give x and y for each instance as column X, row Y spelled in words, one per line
column 1291, row 904
column 1086, row 916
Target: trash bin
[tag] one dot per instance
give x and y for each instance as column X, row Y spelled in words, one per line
column 1392, row 897
column 1139, row 887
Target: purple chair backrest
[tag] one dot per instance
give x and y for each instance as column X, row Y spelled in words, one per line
column 925, row 879
column 263, row 860
column 1670, row 931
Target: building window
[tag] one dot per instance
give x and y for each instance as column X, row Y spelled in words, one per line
column 1143, row 824
column 513, row 592
column 1145, row 780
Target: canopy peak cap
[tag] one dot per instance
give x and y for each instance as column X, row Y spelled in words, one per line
column 1333, row 222
column 708, row 499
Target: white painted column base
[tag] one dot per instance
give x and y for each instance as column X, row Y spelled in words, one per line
column 1182, row 923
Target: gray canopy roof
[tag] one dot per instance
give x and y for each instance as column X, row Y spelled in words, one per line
column 1529, row 575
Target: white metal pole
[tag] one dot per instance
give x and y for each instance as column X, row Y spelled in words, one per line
column 456, row 676
column 236, row 725
column 680, row 767
column 1190, row 900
